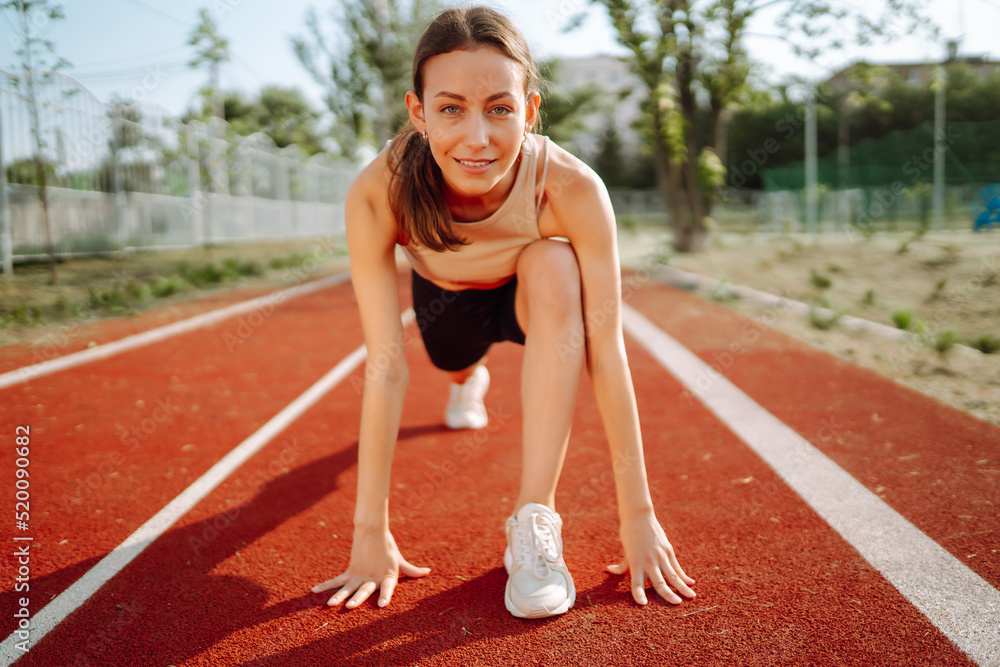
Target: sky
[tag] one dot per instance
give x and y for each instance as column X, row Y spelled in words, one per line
column 137, row 48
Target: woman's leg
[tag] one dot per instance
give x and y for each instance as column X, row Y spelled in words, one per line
column 549, row 309
column 459, row 377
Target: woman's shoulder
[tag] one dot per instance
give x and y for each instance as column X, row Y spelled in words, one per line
column 373, row 179
column 565, row 171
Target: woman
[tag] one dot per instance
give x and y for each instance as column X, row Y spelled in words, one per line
column 480, row 204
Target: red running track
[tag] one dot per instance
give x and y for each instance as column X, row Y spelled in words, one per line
column 229, row 582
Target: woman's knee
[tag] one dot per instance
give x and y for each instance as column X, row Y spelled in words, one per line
column 550, row 274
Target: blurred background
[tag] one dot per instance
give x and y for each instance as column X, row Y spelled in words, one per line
column 136, row 124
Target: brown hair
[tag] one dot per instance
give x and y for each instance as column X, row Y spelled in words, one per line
column 417, row 189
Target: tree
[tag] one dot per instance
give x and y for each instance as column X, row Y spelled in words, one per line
column 281, row 113
column 34, row 52
column 211, row 50
column 683, row 49
column 364, row 66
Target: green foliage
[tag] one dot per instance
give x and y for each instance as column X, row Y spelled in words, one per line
column 292, row 261
column 819, row 281
column 165, row 286
column 869, row 297
column 938, row 289
column 986, row 343
column 824, row 319
column 211, row 50
column 904, row 247
column 279, row 112
column 367, row 73
column 722, row 292
column 945, row 341
column 903, row 319
column 114, row 299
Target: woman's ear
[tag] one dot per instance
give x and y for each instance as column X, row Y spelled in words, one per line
column 416, row 111
column 534, row 101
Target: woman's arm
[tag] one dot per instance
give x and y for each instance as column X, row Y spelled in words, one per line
column 371, row 239
column 582, row 211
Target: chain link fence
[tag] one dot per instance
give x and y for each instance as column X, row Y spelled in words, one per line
column 91, row 177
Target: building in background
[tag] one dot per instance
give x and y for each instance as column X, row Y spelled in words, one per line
column 620, row 94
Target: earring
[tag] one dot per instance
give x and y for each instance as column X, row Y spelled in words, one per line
column 425, row 135
column 524, row 139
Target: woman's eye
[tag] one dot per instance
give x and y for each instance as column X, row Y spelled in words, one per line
column 501, row 111
column 450, row 109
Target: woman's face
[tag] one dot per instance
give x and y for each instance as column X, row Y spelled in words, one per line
column 475, row 114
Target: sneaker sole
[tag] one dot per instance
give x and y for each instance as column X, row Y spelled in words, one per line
column 541, row 611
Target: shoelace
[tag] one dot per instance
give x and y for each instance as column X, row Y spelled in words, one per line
column 537, row 542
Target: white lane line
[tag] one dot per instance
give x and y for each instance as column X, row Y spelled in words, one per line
column 161, row 333
column 953, row 597
column 73, row 597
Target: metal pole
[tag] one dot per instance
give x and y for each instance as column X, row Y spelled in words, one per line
column 197, row 199
column 812, row 200
column 940, row 147
column 6, row 242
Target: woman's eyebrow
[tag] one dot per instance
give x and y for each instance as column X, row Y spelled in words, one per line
column 460, row 98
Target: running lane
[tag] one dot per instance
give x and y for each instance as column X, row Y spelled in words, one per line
column 776, row 584
column 933, row 464
column 113, row 441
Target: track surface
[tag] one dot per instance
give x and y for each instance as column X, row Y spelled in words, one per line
column 114, row 441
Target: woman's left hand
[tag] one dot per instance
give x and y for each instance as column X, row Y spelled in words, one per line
column 649, row 555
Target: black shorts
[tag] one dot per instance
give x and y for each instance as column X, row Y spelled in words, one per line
column 459, row 327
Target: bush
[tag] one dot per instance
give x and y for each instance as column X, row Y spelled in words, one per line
column 903, row 319
column 944, row 341
column 236, row 269
column 112, row 299
column 819, row 280
column 167, row 285
column 823, row 320
column 986, row 343
column 869, row 298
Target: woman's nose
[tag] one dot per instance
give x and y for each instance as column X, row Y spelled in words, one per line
column 476, row 133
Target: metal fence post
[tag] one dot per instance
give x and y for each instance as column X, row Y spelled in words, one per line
column 6, row 242
column 196, row 199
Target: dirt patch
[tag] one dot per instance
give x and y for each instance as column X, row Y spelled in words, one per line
column 946, row 281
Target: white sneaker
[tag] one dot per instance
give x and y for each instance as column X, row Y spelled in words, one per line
column 539, row 584
column 465, row 405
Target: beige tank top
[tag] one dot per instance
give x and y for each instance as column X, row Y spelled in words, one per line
column 490, row 258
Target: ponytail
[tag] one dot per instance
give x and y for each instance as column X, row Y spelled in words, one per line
column 417, row 194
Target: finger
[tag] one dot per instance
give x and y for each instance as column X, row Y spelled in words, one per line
column 344, row 593
column 339, row 580
column 676, row 566
column 388, row 586
column 618, row 568
column 639, row 586
column 413, row 570
column 361, row 595
column 660, row 584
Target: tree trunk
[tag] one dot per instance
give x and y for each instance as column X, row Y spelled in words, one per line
column 693, row 238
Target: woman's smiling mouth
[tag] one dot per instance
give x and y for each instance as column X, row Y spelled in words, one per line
column 475, row 166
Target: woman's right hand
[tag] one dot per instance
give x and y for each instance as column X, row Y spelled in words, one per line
column 375, row 564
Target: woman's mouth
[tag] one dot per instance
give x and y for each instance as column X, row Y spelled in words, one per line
column 475, row 166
